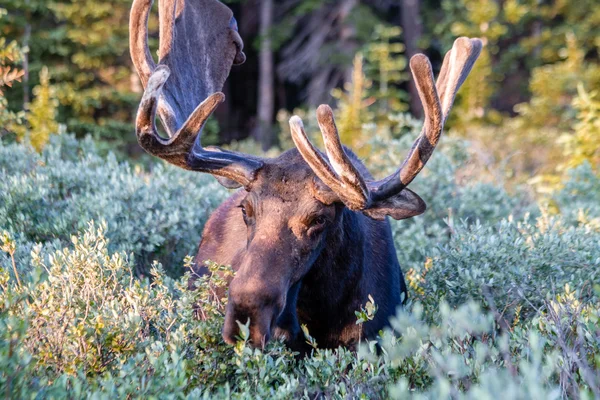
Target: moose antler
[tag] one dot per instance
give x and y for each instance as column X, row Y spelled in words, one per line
column 198, row 45
column 389, row 196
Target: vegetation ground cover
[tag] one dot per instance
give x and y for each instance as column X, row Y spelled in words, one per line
column 504, row 294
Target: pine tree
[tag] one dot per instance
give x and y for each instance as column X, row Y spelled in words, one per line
column 41, row 116
column 554, row 86
column 385, row 67
column 84, row 45
column 352, row 106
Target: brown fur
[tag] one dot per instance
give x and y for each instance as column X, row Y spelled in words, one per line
column 289, row 273
column 313, row 242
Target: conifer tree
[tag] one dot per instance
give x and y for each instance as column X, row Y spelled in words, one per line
column 41, row 114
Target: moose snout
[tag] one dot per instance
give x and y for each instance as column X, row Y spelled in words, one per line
column 257, row 302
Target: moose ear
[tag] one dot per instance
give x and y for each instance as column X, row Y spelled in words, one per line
column 405, row 204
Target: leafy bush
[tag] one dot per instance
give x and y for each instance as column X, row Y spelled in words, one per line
column 111, row 335
column 515, row 265
column 504, row 297
column 49, row 197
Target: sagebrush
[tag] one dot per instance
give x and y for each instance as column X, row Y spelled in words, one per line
column 504, row 294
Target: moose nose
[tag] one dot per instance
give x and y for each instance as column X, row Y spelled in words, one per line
column 259, row 334
column 257, row 303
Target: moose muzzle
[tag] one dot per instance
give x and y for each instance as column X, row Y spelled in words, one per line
column 256, row 300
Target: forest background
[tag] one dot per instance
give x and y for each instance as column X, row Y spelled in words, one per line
column 530, row 98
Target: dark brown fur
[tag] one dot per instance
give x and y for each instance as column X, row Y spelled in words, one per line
column 288, row 274
column 313, row 243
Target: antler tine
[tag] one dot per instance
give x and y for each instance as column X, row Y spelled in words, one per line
column 313, row 157
column 138, row 39
column 430, row 134
column 338, row 158
column 434, row 121
column 457, row 65
column 200, row 64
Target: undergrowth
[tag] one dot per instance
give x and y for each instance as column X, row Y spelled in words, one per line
column 504, row 293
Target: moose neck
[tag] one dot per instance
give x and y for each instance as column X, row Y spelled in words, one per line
column 334, row 287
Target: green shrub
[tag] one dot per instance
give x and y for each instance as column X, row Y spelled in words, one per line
column 504, row 297
column 579, row 200
column 514, row 266
column 154, row 215
column 83, row 325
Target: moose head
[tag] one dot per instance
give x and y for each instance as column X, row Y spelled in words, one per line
column 307, row 234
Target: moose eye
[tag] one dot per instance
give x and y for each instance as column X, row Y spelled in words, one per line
column 247, row 213
column 318, row 221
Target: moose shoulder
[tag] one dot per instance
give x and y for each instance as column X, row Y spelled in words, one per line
column 307, row 234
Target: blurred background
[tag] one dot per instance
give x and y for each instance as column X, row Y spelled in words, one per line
column 530, row 105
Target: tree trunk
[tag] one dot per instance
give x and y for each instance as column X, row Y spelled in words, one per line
column 411, row 25
column 266, row 93
column 26, row 37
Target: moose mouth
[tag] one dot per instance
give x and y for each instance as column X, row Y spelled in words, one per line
column 266, row 319
column 261, row 324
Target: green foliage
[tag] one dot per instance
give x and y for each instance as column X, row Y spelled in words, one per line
column 503, row 297
column 352, row 110
column 582, row 144
column 470, row 263
column 41, row 115
column 553, row 87
column 384, row 67
column 83, row 324
column 10, row 56
column 575, row 146
column 578, row 201
column 84, row 45
column 49, row 197
column 557, row 21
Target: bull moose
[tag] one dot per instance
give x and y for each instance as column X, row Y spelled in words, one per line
column 306, row 234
